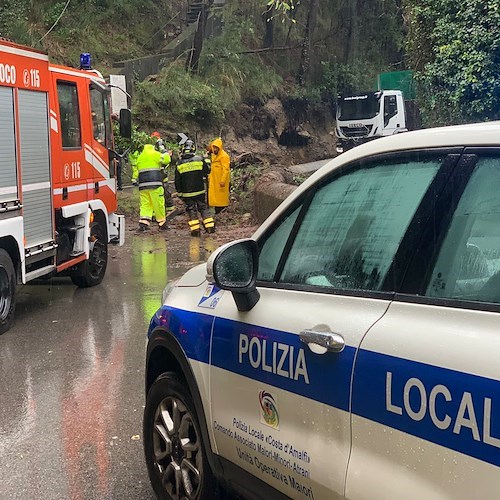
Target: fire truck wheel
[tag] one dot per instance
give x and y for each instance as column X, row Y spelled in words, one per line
column 7, row 291
column 92, row 271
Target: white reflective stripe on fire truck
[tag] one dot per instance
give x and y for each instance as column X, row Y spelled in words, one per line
column 93, row 158
column 72, row 189
column 37, row 186
column 111, row 183
column 8, row 190
column 53, row 121
column 25, row 53
column 90, row 75
column 53, row 124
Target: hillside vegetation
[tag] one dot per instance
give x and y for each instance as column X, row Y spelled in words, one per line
column 301, row 52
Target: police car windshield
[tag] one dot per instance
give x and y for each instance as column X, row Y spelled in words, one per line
column 358, row 107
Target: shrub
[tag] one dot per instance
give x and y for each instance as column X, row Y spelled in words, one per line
column 176, row 98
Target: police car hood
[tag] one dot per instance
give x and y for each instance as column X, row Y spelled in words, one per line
column 194, row 277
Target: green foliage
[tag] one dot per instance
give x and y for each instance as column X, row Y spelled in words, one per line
column 14, row 21
column 298, row 179
column 110, row 30
column 239, row 76
column 242, row 187
column 347, row 78
column 227, row 77
column 286, row 10
column 176, row 98
column 138, row 139
column 308, row 95
column 456, row 48
column 280, row 5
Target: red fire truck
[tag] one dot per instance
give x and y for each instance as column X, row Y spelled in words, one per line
column 57, row 173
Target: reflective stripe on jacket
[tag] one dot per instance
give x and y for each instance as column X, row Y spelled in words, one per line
column 150, row 178
column 149, row 167
column 190, row 176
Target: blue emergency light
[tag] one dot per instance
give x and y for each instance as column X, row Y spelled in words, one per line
column 85, row 61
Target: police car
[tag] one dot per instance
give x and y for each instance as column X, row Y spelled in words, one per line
column 351, row 348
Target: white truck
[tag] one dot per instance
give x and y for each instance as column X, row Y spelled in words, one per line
column 369, row 115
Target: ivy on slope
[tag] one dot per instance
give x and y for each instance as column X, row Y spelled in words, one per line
column 456, row 48
column 110, row 29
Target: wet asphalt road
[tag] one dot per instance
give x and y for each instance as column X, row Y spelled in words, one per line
column 71, row 377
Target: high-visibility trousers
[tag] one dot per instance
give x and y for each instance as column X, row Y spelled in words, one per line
column 152, row 201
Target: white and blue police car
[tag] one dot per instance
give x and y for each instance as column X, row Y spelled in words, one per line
column 351, row 348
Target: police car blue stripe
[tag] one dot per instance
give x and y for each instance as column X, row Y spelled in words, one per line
column 328, row 376
column 192, row 330
column 274, row 357
column 457, row 410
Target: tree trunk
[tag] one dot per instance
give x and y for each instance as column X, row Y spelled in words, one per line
column 267, row 16
column 305, row 60
column 353, row 31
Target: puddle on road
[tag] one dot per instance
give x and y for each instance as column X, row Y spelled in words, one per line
column 72, row 373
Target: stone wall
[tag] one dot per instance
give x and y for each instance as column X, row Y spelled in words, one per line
column 272, row 188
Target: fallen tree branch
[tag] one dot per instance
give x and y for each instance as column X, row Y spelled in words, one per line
column 267, row 49
column 244, row 159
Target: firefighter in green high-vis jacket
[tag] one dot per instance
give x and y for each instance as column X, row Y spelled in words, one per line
column 147, row 172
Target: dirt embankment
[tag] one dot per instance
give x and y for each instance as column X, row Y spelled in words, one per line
column 279, row 133
column 263, row 140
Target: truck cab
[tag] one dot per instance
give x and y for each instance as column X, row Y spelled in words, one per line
column 369, row 115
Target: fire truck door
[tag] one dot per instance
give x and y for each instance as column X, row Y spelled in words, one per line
column 101, row 143
column 35, row 167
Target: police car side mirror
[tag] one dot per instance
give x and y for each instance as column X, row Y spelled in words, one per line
column 234, row 267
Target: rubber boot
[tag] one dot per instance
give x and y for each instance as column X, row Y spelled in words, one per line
column 209, row 225
column 194, row 226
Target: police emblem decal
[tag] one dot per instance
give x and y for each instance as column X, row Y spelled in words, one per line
column 269, row 414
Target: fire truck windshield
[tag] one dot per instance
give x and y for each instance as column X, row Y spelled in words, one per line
column 358, row 107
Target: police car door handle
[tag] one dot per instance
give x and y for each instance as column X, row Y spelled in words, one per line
column 321, row 342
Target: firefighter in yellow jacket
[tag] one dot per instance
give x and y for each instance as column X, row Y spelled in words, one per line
column 147, row 171
column 218, row 180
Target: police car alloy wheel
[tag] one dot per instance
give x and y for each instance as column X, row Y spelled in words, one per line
column 175, row 453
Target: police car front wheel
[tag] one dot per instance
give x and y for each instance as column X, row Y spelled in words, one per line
column 173, row 445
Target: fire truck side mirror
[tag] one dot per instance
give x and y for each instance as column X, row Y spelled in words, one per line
column 125, row 123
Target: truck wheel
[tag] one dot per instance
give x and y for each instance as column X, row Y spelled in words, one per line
column 92, row 271
column 175, row 454
column 7, row 291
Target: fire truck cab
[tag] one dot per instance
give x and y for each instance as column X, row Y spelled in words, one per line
column 57, row 173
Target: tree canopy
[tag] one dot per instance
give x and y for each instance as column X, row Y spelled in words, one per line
column 455, row 48
column 305, row 48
